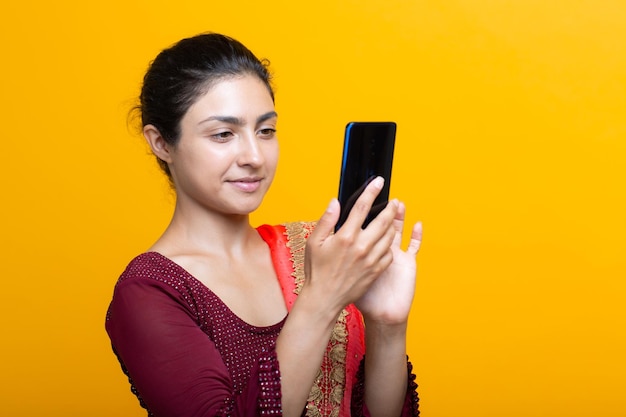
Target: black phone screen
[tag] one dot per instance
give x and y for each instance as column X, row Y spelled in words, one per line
column 367, row 153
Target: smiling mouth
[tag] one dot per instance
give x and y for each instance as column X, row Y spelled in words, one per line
column 247, row 184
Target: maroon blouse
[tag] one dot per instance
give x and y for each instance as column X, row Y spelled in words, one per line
column 186, row 354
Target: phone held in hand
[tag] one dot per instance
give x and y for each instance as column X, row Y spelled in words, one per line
column 367, row 153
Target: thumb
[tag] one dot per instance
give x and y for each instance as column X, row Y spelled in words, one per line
column 326, row 223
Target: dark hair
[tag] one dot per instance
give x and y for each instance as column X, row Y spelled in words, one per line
column 180, row 74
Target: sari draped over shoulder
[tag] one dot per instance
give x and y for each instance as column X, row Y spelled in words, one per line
column 331, row 393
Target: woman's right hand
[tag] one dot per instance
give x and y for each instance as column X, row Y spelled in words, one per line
column 340, row 267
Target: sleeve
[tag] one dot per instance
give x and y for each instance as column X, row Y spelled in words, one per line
column 411, row 400
column 174, row 367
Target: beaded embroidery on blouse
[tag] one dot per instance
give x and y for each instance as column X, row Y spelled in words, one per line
column 327, row 392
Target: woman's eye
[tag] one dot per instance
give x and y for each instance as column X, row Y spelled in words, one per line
column 267, row 133
column 222, row 136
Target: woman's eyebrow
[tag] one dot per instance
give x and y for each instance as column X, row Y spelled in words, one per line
column 233, row 120
column 269, row 115
column 226, row 119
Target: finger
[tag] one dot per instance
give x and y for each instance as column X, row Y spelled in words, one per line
column 383, row 238
column 326, row 223
column 384, row 220
column 385, row 242
column 398, row 224
column 416, row 239
column 363, row 204
column 381, row 254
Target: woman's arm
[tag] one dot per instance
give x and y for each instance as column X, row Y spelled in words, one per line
column 385, row 369
column 339, row 269
column 385, row 308
column 174, row 366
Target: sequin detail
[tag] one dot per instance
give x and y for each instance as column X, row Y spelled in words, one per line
column 270, row 401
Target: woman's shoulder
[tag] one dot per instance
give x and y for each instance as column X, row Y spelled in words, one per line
column 153, row 273
column 154, row 267
column 287, row 230
column 286, row 236
column 146, row 264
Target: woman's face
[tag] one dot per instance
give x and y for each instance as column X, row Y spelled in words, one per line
column 226, row 157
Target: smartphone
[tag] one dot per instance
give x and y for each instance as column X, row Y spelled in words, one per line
column 367, row 153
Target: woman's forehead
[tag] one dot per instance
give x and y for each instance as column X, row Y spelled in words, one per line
column 240, row 97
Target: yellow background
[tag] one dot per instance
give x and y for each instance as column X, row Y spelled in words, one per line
column 511, row 148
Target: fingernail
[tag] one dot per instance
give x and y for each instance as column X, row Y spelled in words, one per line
column 379, row 182
column 331, row 205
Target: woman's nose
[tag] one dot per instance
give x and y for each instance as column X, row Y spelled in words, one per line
column 250, row 152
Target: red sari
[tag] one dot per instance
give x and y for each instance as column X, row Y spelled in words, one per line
column 341, row 371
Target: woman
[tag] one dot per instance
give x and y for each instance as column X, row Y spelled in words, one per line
column 220, row 318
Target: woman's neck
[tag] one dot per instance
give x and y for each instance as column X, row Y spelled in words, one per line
column 193, row 231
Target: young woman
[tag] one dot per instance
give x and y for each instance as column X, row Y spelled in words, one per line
column 219, row 318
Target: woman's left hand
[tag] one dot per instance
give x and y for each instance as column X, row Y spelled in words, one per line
column 388, row 301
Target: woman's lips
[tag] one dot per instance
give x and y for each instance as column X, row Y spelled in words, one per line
column 247, row 185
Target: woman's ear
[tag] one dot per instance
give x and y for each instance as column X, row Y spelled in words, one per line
column 157, row 143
